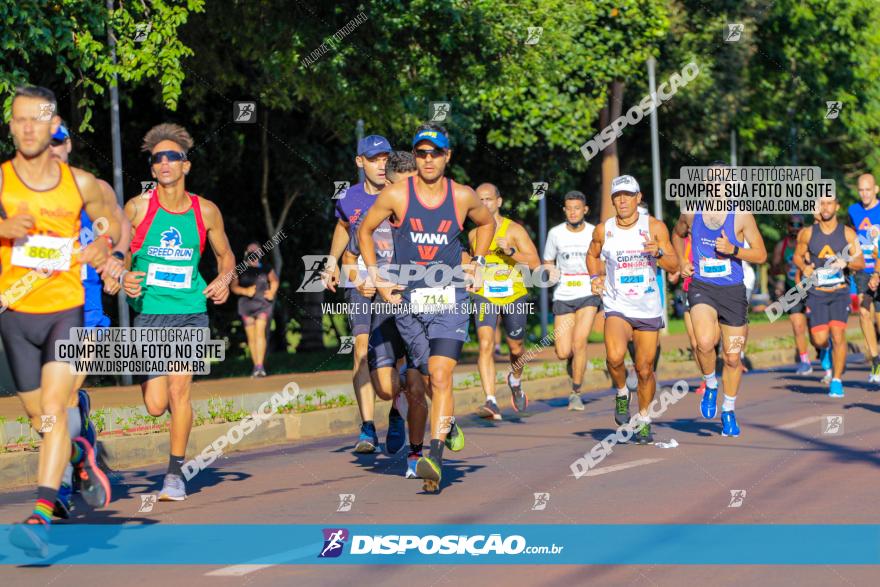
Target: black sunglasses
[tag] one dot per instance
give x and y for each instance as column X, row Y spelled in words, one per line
column 57, row 142
column 422, row 153
column 171, row 156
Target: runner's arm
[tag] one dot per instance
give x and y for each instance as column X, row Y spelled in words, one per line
column 669, row 260
column 96, row 205
column 856, row 258
column 803, row 239
column 595, row 264
column 776, row 265
column 757, row 254
column 381, row 210
column 682, row 228
column 218, row 289
column 124, row 224
column 526, row 252
column 480, row 216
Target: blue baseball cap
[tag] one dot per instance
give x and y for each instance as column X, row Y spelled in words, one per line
column 61, row 134
column 436, row 138
column 372, row 145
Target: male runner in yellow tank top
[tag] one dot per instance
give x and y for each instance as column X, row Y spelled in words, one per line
column 42, row 296
column 503, row 295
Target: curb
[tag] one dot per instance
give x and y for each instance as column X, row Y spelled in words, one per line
column 20, row 468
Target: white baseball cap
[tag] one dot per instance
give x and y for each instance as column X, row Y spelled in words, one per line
column 625, row 183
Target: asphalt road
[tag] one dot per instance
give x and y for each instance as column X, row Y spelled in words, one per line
column 791, row 470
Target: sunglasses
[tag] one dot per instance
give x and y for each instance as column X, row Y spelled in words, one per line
column 422, row 153
column 171, row 156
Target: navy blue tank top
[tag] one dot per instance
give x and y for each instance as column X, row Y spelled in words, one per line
column 822, row 246
column 428, row 236
column 710, row 266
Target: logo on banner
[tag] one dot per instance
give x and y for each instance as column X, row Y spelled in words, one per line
column 334, row 540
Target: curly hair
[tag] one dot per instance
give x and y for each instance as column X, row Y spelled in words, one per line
column 167, row 131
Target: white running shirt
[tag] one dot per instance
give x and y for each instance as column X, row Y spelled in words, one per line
column 631, row 286
column 569, row 250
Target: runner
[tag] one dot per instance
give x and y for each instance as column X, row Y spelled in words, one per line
column 574, row 304
column 372, row 156
column 623, row 259
column 386, row 348
column 502, row 296
column 687, row 253
column 42, row 295
column 788, row 277
column 717, row 297
column 864, row 216
column 171, row 227
column 828, row 300
column 93, row 312
column 429, row 211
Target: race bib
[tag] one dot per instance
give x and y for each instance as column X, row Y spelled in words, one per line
column 570, row 283
column 632, row 281
column 828, row 276
column 432, row 299
column 39, row 251
column 714, row 267
column 498, row 281
column 169, row 276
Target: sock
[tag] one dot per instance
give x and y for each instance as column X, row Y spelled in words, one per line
column 393, row 411
column 491, row 398
column 77, row 453
column 437, row 450
column 835, row 379
column 644, row 418
column 805, row 358
column 729, row 403
column 623, row 391
column 74, row 422
column 45, row 504
column 174, row 465
column 575, row 387
column 711, row 380
column 415, row 448
column 514, row 381
column 260, row 366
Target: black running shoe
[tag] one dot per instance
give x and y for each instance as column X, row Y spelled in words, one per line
column 643, row 434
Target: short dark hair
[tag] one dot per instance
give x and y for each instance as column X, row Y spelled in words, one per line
column 400, row 162
column 575, row 195
column 167, row 131
column 37, row 92
column 432, row 126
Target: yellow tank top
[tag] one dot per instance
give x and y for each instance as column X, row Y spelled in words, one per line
column 502, row 282
column 40, row 274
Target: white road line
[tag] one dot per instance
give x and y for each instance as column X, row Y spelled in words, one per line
column 237, row 570
column 257, row 565
column 621, row 467
column 799, row 423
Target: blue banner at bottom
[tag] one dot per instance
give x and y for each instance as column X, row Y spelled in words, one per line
column 523, row 544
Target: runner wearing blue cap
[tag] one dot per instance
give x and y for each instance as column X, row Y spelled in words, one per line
column 372, row 154
column 428, row 213
column 93, row 311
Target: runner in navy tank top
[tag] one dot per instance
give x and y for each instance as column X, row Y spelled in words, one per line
column 717, row 296
column 428, row 215
column 833, row 248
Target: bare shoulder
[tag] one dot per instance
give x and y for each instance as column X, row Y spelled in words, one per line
column 210, row 212
column 850, row 233
column 657, row 226
column 85, row 181
column 463, row 192
column 599, row 233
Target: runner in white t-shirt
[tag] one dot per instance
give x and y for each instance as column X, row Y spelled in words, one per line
column 574, row 305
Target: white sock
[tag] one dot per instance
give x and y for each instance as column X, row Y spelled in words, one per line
column 805, row 357
column 644, row 418
column 729, row 403
column 514, row 380
column 491, row 398
column 711, row 380
column 623, row 391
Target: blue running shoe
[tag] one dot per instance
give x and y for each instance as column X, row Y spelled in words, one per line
column 709, row 403
column 826, row 358
column 368, row 440
column 836, row 389
column 89, row 432
column 804, row 369
column 729, row 427
column 396, row 432
column 32, row 536
column 62, row 501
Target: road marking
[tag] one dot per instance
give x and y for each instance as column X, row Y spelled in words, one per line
column 237, row 570
column 621, row 467
column 801, row 422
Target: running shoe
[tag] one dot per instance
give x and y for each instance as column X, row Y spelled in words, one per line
column 173, row 488
column 836, row 388
column 93, row 483
column 429, row 470
column 804, row 368
column 621, row 409
column 643, row 434
column 875, row 371
column 262, row 372
column 709, row 403
column 62, row 502
column 489, row 410
column 411, row 460
column 825, row 356
column 518, row 398
column 396, row 432
column 826, row 379
column 455, row 438
column 368, row 440
column 89, row 431
column 702, row 388
column 729, row 427
column 575, row 403
column 32, row 536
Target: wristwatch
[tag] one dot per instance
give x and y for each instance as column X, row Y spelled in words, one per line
column 512, row 252
column 480, row 260
column 660, row 253
column 735, row 250
column 118, row 254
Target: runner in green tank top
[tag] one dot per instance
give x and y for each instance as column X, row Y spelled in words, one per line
column 171, row 227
